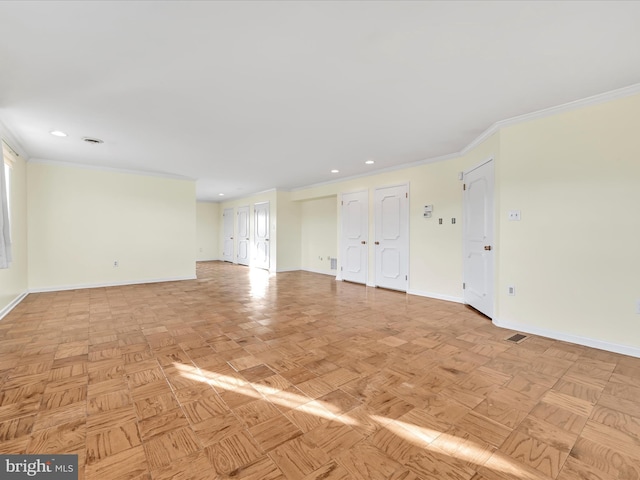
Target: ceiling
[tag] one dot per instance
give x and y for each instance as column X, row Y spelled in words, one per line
column 248, row 96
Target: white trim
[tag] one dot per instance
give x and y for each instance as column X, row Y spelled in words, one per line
column 320, row 272
column 284, row 270
column 13, row 304
column 172, row 176
column 547, row 112
column 230, row 198
column 62, row 288
column 568, row 337
column 437, row 296
column 206, row 260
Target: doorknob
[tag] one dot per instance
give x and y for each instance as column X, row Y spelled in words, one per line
column 487, row 247
column 363, row 242
column 377, row 243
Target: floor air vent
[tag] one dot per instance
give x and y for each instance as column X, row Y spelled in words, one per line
column 334, row 263
column 517, row 338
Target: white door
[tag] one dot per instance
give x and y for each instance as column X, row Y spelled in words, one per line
column 355, row 237
column 243, row 235
column 391, row 217
column 477, row 235
column 227, row 232
column 261, row 235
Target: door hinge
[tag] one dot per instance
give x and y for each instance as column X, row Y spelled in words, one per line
column 341, row 269
column 342, row 203
column 406, row 194
column 406, row 277
column 464, row 186
column 464, row 286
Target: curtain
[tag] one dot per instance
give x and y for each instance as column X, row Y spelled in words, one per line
column 5, row 232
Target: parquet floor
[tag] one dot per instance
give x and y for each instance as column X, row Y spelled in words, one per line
column 297, row 376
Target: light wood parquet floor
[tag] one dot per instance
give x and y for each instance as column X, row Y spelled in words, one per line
column 297, row 376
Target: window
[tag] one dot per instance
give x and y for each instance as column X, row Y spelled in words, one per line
column 5, row 221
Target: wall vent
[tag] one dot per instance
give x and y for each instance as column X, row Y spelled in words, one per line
column 334, row 263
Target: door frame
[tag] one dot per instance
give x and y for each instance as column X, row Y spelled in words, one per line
column 343, row 241
column 231, row 258
column 254, row 262
column 406, row 233
column 248, row 240
column 494, row 239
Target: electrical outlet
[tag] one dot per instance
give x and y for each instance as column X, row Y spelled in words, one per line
column 514, row 215
column 511, row 290
column 115, row 264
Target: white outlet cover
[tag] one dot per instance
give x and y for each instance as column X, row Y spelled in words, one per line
column 514, row 215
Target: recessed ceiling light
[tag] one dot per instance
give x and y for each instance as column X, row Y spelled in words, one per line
column 369, row 162
column 57, row 133
column 92, row 140
column 335, row 171
column 221, row 194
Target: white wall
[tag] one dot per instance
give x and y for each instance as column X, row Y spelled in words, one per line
column 574, row 256
column 13, row 280
column 207, row 231
column 318, row 234
column 81, row 220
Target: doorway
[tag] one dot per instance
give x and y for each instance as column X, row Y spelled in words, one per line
column 355, row 237
column 391, row 216
column 478, row 238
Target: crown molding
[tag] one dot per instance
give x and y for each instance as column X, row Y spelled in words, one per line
column 172, row 176
column 555, row 110
column 496, row 127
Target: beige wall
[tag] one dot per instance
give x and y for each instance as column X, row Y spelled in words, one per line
column 13, row 280
column 207, row 214
column 318, row 234
column 81, row 221
column 435, row 260
column 287, row 232
column 574, row 256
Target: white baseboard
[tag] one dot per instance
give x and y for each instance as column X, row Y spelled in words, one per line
column 437, row 296
column 311, row 270
column 62, row 288
column 568, row 337
column 13, row 304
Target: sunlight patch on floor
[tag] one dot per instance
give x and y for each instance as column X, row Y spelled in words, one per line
column 449, row 445
column 452, row 446
column 255, row 390
column 258, row 282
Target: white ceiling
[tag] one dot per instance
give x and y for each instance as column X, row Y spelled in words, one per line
column 247, row 96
